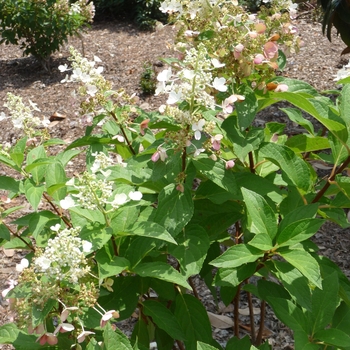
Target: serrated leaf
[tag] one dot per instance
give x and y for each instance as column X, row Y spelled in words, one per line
column 9, row 184
column 113, row 340
column 237, row 255
column 110, row 267
column 8, row 333
column 233, row 277
column 33, row 156
column 299, row 231
column 163, row 318
column 33, row 193
column 296, row 116
column 305, row 143
column 261, row 241
column 193, row 244
column 295, row 283
column 295, row 168
column 216, row 172
column 261, row 218
column 203, row 346
column 333, row 337
column 151, row 230
column 163, row 271
column 193, row 319
column 324, row 302
column 175, row 209
column 55, row 174
column 305, row 263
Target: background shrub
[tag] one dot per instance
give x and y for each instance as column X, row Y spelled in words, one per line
column 144, row 12
column 41, row 27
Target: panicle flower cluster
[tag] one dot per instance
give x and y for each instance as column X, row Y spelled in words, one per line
column 64, row 257
column 84, row 72
column 92, row 189
column 244, row 43
column 85, row 8
column 191, row 83
column 21, row 115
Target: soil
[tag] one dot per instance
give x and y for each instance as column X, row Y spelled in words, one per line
column 124, row 49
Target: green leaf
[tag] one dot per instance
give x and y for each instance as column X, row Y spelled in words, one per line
column 17, row 152
column 4, row 232
column 151, row 230
column 34, row 155
column 216, row 172
column 191, row 251
column 299, row 231
column 8, row 333
column 233, row 277
column 124, row 298
column 175, row 209
column 55, row 174
column 334, row 337
column 110, row 267
column 203, row 346
column 97, row 234
column 305, row 263
column 294, row 282
column 242, row 344
column 193, row 319
column 39, row 314
column 90, row 215
column 296, row 116
column 295, row 168
column 320, row 113
column 33, row 193
column 237, row 255
column 324, row 303
column 305, row 143
column 123, row 218
column 261, row 241
column 341, row 318
column 115, row 339
column 246, row 109
column 9, row 184
column 288, row 313
column 344, row 105
column 261, row 218
column 161, row 270
column 163, row 318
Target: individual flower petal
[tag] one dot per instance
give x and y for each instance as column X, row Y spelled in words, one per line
column 197, row 128
column 135, row 196
column 216, row 63
column 198, row 151
column 86, row 246
column 107, row 316
column 173, row 97
column 67, row 203
column 219, row 84
column 164, row 75
column 55, row 228
column 82, row 335
column 120, row 199
column 22, row 265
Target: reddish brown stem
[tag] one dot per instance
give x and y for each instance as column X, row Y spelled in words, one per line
column 251, row 316
column 330, row 179
column 66, row 221
column 19, row 237
column 236, row 312
column 180, row 345
column 262, row 323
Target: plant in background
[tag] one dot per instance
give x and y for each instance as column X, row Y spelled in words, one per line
column 148, row 79
column 41, row 27
column 196, row 189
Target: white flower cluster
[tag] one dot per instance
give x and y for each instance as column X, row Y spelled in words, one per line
column 94, row 192
column 64, row 258
column 194, row 80
column 21, row 115
column 84, row 71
